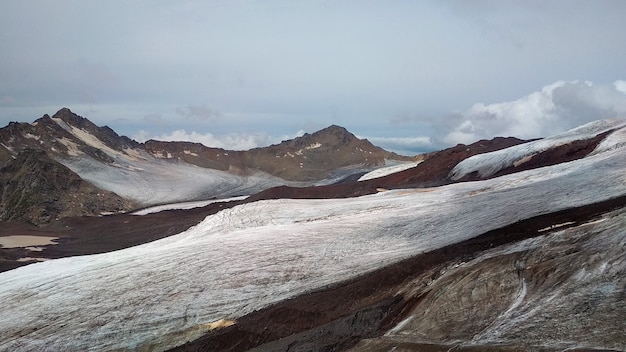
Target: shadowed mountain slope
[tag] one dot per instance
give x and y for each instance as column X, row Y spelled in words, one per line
column 36, row 188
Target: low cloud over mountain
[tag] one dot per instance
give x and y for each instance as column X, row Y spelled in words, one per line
column 555, row 108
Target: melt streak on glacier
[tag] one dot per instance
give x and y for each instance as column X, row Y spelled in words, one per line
column 163, row 293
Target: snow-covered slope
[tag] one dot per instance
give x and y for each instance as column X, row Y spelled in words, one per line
column 388, row 170
column 153, row 181
column 547, row 293
column 135, row 174
column 160, row 294
column 184, row 205
column 489, row 164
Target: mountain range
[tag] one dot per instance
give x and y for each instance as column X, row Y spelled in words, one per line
column 160, row 172
column 327, row 243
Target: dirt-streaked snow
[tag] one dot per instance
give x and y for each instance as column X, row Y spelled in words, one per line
column 556, row 292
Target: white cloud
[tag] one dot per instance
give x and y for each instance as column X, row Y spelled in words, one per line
column 198, row 112
column 556, row 108
column 401, row 141
column 233, row 141
column 620, row 85
column 403, row 145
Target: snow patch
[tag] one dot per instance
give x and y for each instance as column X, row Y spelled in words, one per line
column 31, row 136
column 184, row 205
column 72, row 147
column 313, row 146
column 388, row 170
column 95, row 142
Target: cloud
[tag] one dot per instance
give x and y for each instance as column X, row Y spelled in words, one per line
column 199, row 113
column 403, row 145
column 402, row 142
column 7, row 100
column 555, row 108
column 233, row 141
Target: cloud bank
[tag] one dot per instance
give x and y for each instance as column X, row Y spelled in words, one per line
column 555, row 108
column 232, row 141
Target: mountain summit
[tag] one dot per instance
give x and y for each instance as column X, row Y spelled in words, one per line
column 311, row 157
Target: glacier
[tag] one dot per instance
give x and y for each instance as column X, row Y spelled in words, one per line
column 161, row 294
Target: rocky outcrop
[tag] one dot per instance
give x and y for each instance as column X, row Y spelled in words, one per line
column 36, row 188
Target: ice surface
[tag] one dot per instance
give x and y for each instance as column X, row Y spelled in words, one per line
column 388, row 170
column 184, row 205
column 488, row 164
column 153, row 181
column 560, row 291
column 160, row 294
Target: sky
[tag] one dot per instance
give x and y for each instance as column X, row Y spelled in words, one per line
column 411, row 76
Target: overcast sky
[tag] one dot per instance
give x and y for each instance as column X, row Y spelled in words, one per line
column 409, row 75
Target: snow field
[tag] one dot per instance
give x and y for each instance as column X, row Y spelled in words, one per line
column 161, row 294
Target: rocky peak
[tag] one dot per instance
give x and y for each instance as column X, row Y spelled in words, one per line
column 104, row 133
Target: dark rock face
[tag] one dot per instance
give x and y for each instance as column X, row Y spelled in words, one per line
column 38, row 189
column 54, row 136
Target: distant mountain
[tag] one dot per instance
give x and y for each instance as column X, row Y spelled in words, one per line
column 162, row 172
column 38, row 189
column 310, row 157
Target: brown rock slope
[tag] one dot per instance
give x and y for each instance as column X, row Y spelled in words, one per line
column 433, row 171
column 38, row 189
column 307, row 158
